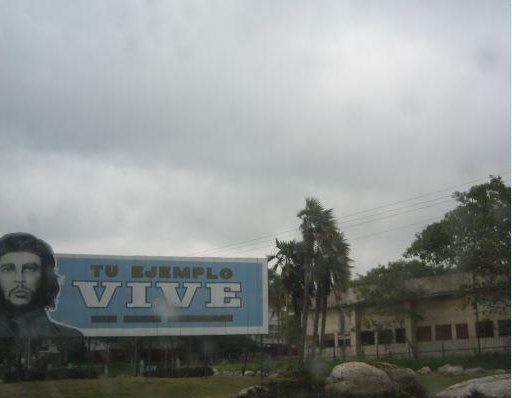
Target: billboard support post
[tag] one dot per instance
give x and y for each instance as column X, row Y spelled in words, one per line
column 261, row 358
column 135, row 357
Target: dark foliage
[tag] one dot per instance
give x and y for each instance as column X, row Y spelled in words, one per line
column 188, row 371
column 17, row 375
column 297, row 385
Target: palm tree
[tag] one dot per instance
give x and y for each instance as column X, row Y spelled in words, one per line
column 277, row 299
column 289, row 263
column 318, row 228
column 335, row 275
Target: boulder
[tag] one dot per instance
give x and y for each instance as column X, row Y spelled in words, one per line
column 253, row 392
column 425, row 370
column 360, row 380
column 497, row 386
column 249, row 373
column 474, row 371
column 450, row 370
column 408, row 384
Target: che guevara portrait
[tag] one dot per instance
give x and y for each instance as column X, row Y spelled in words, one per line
column 29, row 287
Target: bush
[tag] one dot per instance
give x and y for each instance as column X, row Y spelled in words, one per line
column 18, row 375
column 494, row 360
column 187, row 371
column 297, row 384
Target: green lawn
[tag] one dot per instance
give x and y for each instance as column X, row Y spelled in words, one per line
column 136, row 387
column 211, row 387
column 130, row 387
column 435, row 382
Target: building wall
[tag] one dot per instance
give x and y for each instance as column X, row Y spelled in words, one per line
column 447, row 325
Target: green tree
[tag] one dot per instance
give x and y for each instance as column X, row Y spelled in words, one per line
column 325, row 254
column 315, row 267
column 289, row 266
column 333, row 275
column 388, row 291
column 474, row 238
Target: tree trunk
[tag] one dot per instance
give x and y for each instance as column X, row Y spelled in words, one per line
column 324, row 320
column 318, row 305
column 244, row 363
column 305, row 310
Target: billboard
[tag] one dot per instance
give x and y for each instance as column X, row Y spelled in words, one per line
column 162, row 296
column 75, row 295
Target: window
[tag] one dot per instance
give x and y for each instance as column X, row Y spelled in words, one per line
column 328, row 340
column 400, row 336
column 504, row 327
column 423, row 333
column 385, row 336
column 461, row 331
column 443, row 332
column 342, row 342
column 485, row 329
column 368, row 338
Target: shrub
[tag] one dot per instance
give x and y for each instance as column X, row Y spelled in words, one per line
column 187, row 371
column 298, row 384
column 17, row 375
column 492, row 360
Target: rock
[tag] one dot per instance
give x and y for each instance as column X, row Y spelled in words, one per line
column 408, row 384
column 215, row 372
column 360, row 380
column 425, row 370
column 474, row 371
column 253, row 392
column 249, row 373
column 230, row 373
column 450, row 370
column 499, row 371
column 273, row 375
column 497, row 386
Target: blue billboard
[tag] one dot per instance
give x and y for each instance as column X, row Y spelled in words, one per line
column 161, row 296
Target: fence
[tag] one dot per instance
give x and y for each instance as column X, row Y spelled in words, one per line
column 423, row 349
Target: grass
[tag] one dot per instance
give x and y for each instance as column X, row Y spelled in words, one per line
column 486, row 361
column 269, row 366
column 224, row 386
column 130, row 387
column 136, row 387
column 435, row 382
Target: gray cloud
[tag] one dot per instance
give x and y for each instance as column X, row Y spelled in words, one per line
column 170, row 128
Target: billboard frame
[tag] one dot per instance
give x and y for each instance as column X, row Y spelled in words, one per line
column 180, row 331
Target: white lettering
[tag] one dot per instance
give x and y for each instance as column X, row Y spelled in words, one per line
column 139, row 295
column 224, row 295
column 171, row 294
column 89, row 293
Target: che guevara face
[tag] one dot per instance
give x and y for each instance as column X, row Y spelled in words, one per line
column 20, row 277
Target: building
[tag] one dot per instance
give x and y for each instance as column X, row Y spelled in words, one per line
column 437, row 322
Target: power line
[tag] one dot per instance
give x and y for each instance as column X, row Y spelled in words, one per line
column 428, row 194
column 394, row 229
column 397, row 214
column 256, row 244
column 255, row 241
column 289, row 232
column 295, row 230
column 362, row 237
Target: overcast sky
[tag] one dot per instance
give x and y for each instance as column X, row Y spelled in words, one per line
column 179, row 128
